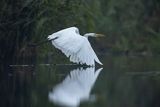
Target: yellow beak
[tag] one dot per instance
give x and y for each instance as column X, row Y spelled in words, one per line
column 100, row 35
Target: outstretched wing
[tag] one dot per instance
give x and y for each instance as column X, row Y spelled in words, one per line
column 74, row 46
column 86, row 54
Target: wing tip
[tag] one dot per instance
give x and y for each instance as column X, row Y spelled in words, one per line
column 99, row 62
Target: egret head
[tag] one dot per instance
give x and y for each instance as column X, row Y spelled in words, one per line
column 93, row 35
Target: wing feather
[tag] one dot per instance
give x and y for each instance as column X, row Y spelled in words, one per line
column 86, row 54
column 75, row 46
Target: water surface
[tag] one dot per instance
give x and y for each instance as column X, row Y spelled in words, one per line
column 123, row 81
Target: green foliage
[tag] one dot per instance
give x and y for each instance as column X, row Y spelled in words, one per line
column 28, row 21
column 124, row 22
column 16, row 25
column 128, row 25
column 155, row 45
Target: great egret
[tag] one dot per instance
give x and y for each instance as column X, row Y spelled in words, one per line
column 75, row 46
column 75, row 88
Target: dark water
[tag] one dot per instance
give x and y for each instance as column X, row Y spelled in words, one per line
column 121, row 82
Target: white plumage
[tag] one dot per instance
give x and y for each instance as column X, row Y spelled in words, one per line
column 75, row 88
column 75, row 46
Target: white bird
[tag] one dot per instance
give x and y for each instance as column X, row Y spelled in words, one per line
column 75, row 46
column 75, row 88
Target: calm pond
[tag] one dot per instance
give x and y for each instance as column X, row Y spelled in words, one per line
column 123, row 81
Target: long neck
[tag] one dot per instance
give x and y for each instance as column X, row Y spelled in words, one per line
column 86, row 36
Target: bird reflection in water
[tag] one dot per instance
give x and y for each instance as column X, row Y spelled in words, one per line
column 75, row 88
